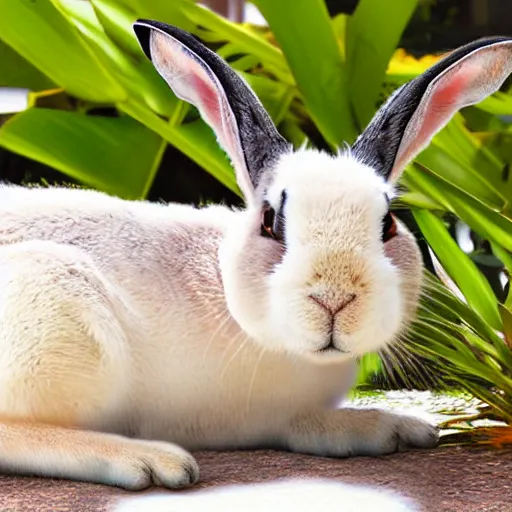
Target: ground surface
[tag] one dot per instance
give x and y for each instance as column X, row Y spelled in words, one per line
column 443, row 480
column 448, row 479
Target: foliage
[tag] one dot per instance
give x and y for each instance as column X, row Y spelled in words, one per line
column 321, row 80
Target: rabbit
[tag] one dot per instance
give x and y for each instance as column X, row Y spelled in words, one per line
column 134, row 333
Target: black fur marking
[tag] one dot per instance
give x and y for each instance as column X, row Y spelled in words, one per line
column 261, row 143
column 378, row 145
column 280, row 222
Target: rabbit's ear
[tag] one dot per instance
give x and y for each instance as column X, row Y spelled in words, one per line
column 415, row 112
column 224, row 100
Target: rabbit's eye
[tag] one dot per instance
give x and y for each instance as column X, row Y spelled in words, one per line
column 273, row 222
column 267, row 222
column 388, row 228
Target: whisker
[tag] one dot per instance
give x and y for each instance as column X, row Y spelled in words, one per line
column 249, row 393
column 221, row 325
column 232, row 342
column 421, row 372
column 243, row 345
column 398, row 367
column 408, row 366
column 388, row 368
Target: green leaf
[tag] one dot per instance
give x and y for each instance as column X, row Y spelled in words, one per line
column 459, row 267
column 369, row 365
column 464, row 177
column 451, row 308
column 38, row 32
column 15, row 71
column 503, row 255
column 462, row 144
column 219, row 29
column 117, row 22
column 459, row 355
column 418, row 200
column 500, row 405
column 499, row 103
column 481, row 166
column 275, row 96
column 489, row 223
column 339, row 24
column 195, row 139
column 117, row 155
column 210, row 27
column 161, row 10
column 305, row 34
column 139, row 77
column 372, row 34
column 506, row 317
column 506, row 259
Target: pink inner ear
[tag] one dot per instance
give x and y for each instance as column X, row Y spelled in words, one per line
column 443, row 102
column 208, row 97
column 192, row 81
column 211, row 105
column 442, row 105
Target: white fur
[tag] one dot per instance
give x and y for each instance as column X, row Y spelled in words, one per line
column 334, row 214
column 173, row 325
column 159, row 321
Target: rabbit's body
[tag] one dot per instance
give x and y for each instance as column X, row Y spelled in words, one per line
column 135, row 338
column 128, row 329
column 209, row 384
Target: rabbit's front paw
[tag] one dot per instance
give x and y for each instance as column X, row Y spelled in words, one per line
column 153, row 463
column 382, row 432
column 415, row 433
column 399, row 432
column 352, row 432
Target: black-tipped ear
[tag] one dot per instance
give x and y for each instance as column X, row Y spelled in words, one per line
column 415, row 112
column 225, row 101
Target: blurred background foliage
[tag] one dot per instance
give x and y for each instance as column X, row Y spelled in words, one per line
column 80, row 104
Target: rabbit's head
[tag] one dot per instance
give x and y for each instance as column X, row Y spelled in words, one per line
column 316, row 263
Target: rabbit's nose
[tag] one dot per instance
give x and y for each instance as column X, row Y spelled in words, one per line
column 332, row 306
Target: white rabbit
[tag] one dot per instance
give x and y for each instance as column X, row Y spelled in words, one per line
column 129, row 330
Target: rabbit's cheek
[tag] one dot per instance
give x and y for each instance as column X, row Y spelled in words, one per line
column 248, row 262
column 406, row 257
